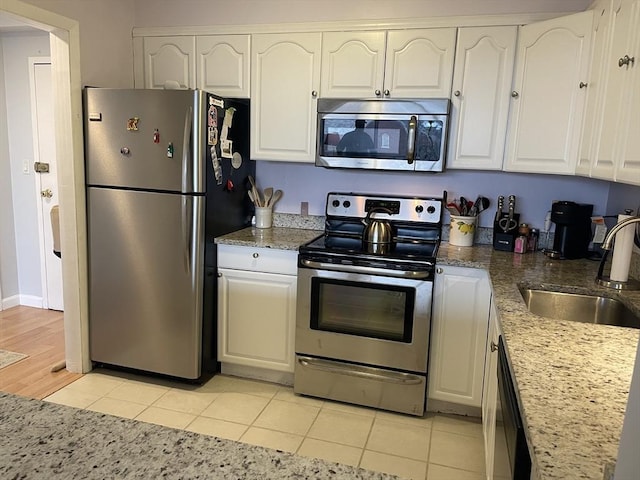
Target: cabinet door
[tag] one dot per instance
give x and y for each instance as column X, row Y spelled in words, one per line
column 490, row 392
column 419, row 63
column 547, row 102
column 618, row 154
column 169, row 62
column 352, row 64
column 256, row 319
column 592, row 122
column 285, row 77
column 480, row 101
column 628, row 154
column 459, row 325
column 223, row 64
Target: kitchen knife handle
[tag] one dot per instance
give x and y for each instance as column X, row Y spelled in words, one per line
column 499, row 209
column 411, row 147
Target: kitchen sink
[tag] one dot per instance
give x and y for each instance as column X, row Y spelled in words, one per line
column 579, row 308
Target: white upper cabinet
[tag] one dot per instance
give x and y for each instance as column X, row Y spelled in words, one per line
column 352, row 64
column 215, row 63
column 169, row 62
column 415, row 63
column 615, row 150
column 592, row 118
column 223, row 64
column 285, row 79
column 482, row 76
column 547, row 101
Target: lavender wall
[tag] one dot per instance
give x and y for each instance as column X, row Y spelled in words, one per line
column 535, row 193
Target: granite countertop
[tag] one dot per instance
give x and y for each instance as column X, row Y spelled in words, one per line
column 42, row 440
column 572, row 379
column 282, row 238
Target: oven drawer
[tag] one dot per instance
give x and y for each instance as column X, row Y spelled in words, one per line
column 360, row 385
column 268, row 260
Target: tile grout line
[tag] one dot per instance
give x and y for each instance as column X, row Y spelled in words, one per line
column 364, row 447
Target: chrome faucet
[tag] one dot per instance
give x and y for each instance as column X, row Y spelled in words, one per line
column 606, row 246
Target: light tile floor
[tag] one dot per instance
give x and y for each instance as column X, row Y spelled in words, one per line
column 435, row 447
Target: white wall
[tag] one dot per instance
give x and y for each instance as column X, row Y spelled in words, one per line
column 17, row 47
column 156, row 13
column 105, row 38
column 8, row 259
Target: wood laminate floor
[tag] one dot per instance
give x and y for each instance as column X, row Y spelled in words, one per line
column 38, row 333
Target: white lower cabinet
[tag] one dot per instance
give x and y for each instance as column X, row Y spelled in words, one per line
column 490, row 392
column 458, row 335
column 256, row 307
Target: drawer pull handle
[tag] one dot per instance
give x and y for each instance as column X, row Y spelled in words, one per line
column 256, row 255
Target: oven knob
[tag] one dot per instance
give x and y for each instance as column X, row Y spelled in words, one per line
column 335, row 204
column 419, row 208
column 431, row 209
column 346, row 204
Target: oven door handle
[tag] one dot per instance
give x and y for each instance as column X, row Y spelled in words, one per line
column 412, row 274
column 368, row 373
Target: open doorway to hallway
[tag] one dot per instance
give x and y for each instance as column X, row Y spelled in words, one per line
column 64, row 41
column 39, row 334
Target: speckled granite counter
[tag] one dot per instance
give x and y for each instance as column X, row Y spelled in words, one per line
column 572, row 379
column 283, row 238
column 41, row 440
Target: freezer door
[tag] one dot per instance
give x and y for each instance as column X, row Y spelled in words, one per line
column 145, row 139
column 145, row 280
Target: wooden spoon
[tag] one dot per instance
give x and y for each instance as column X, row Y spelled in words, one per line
column 256, row 193
column 268, row 193
column 276, row 196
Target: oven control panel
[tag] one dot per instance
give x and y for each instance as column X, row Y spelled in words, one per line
column 407, row 209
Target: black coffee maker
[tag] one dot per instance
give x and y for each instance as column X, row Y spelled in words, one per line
column 573, row 229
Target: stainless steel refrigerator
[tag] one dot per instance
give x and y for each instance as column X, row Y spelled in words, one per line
column 166, row 172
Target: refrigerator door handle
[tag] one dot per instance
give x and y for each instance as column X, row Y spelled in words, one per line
column 187, row 161
column 187, row 223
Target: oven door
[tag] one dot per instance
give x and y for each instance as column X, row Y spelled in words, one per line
column 375, row 320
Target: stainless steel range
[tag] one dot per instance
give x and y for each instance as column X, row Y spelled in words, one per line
column 364, row 301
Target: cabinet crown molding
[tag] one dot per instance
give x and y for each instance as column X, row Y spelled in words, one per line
column 352, row 25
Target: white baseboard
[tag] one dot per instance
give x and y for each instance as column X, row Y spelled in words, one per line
column 31, row 301
column 440, row 406
column 273, row 376
column 9, row 302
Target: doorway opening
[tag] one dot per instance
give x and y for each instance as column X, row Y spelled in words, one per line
column 64, row 41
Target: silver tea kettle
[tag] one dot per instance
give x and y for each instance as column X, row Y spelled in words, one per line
column 378, row 234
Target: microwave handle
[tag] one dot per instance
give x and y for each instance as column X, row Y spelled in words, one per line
column 411, row 147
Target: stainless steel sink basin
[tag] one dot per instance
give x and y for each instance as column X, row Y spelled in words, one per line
column 579, row 308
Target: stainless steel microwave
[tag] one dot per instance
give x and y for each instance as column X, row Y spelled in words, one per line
column 403, row 134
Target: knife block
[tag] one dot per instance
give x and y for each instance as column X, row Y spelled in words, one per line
column 505, row 240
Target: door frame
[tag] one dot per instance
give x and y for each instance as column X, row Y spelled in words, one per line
column 64, row 39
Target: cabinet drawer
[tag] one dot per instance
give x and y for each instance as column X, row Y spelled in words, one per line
column 258, row 259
